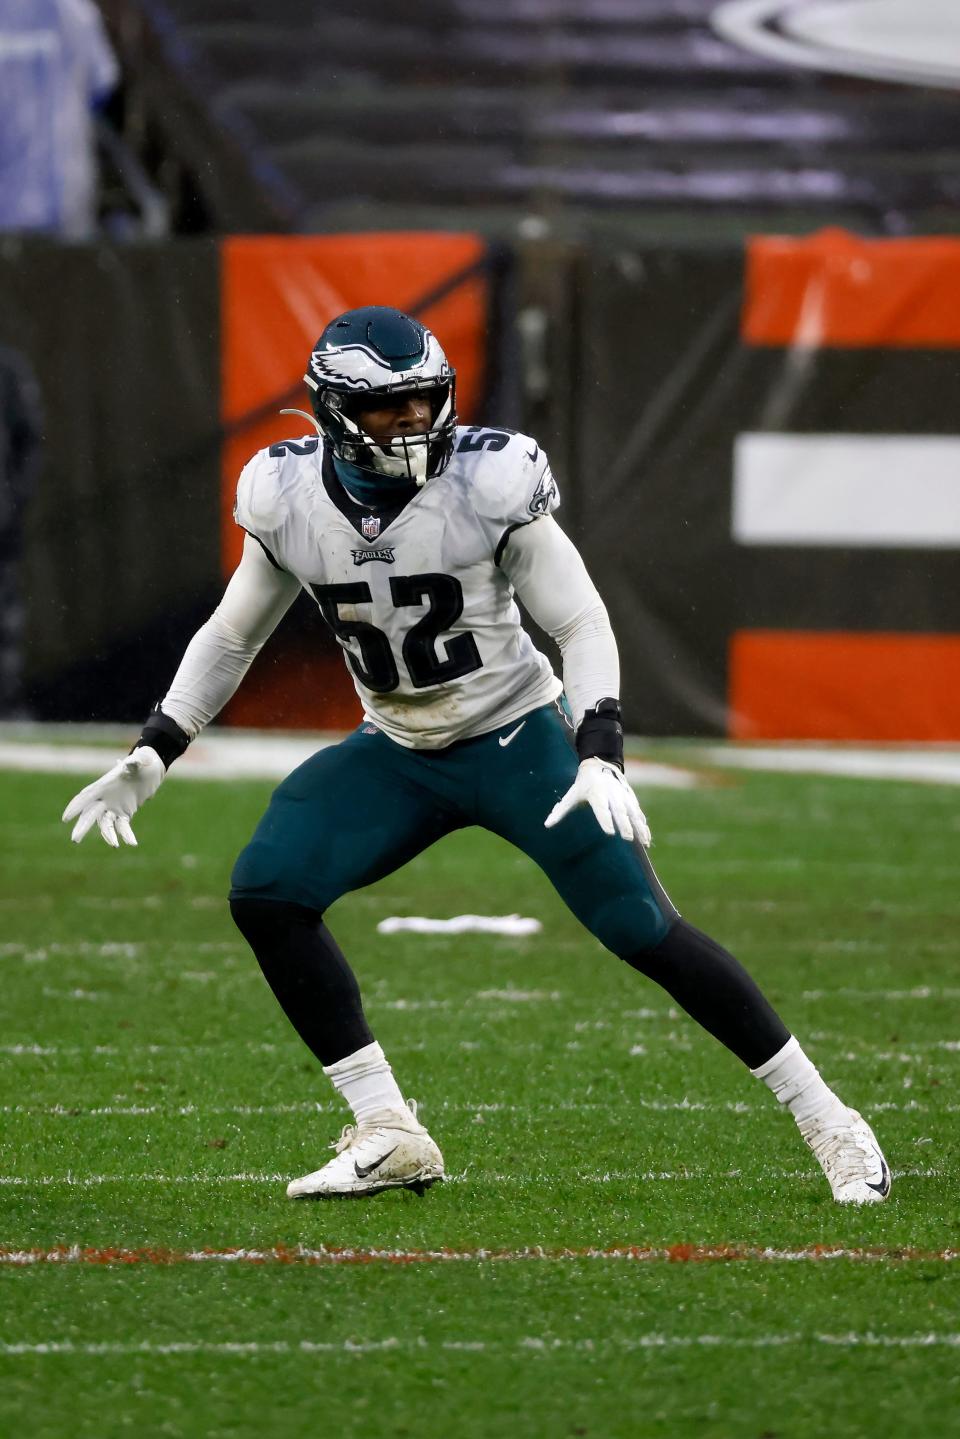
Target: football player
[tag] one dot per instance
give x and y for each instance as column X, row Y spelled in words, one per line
column 415, row 536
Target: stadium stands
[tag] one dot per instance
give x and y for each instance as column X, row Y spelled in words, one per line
column 588, row 112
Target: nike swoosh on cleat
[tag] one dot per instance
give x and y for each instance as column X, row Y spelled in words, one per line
column 363, row 1170
column 883, row 1187
column 504, row 740
column 532, row 454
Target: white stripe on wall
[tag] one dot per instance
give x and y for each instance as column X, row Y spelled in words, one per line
column 885, row 491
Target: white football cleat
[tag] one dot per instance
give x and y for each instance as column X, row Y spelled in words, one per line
column 395, row 1153
column 849, row 1155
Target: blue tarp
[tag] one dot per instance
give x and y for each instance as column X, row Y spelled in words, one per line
column 56, row 65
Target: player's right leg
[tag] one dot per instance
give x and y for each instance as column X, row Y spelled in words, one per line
column 350, row 815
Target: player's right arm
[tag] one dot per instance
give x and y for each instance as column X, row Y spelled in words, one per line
column 215, row 661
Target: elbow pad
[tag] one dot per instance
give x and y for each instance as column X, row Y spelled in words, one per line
column 600, row 735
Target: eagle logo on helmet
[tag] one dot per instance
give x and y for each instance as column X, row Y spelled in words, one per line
column 358, row 368
column 352, row 365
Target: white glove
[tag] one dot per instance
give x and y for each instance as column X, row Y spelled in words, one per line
column 604, row 789
column 111, row 800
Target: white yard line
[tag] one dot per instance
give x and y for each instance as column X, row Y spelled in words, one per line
column 888, row 996
column 214, row 756
column 30, row 1048
column 256, row 756
column 250, row 754
column 612, row 1176
column 139, row 951
column 867, row 1048
column 311, row 1108
column 920, row 1052
column 256, row 1348
column 929, row 764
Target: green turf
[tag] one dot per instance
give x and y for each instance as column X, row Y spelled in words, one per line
column 126, row 991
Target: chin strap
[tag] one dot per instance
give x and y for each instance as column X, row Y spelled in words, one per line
column 600, row 735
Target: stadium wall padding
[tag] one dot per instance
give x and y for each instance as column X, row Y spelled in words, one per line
column 684, row 357
column 119, row 561
column 757, row 454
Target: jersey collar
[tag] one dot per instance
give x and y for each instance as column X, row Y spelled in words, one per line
column 386, row 510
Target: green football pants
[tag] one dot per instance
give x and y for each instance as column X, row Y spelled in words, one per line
column 358, row 810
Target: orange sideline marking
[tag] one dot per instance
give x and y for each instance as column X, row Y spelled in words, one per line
column 299, row 1254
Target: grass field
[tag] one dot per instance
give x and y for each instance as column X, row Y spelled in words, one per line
column 632, row 1240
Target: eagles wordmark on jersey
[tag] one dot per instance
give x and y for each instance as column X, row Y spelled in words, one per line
column 415, row 536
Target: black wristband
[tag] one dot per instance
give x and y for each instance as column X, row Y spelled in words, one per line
column 165, row 736
column 600, row 735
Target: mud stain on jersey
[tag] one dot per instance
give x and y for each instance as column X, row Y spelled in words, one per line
column 436, row 709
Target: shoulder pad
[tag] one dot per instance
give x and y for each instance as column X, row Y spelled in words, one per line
column 263, row 488
column 510, row 479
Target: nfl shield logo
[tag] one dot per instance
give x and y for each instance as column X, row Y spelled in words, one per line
column 370, row 526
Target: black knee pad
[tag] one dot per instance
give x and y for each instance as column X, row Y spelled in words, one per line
column 683, row 951
column 266, row 919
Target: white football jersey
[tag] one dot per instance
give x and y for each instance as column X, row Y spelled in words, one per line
column 418, row 602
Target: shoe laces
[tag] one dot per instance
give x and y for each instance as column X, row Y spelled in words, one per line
column 842, row 1155
column 347, row 1137
column 353, row 1133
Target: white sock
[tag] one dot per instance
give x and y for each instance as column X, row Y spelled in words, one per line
column 366, row 1082
column 797, row 1084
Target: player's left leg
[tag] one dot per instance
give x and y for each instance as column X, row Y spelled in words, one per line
column 611, row 887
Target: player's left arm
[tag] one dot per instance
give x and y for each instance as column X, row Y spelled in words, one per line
column 550, row 577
